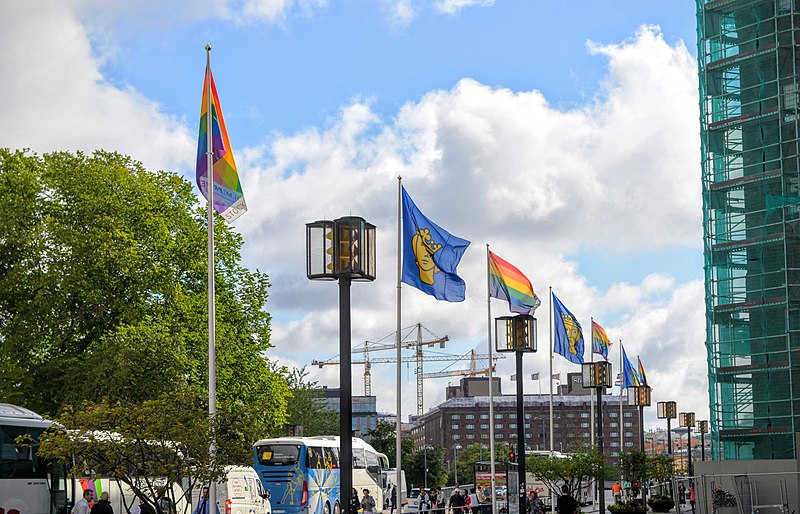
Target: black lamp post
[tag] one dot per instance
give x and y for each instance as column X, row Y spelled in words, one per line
column 343, row 250
column 517, row 334
column 668, row 411
column 686, row 419
column 641, row 398
column 597, row 375
column 702, row 427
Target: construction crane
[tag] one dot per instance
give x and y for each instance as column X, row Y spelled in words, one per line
column 471, row 372
column 418, row 358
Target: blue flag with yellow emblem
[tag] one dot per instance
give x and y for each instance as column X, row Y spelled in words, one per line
column 630, row 376
column 430, row 255
column 567, row 333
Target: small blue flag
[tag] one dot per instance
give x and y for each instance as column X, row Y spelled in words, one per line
column 430, row 255
column 567, row 333
column 630, row 376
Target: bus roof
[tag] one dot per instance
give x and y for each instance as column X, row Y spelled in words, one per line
column 318, row 440
column 21, row 417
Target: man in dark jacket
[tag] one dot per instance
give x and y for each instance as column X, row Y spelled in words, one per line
column 103, row 506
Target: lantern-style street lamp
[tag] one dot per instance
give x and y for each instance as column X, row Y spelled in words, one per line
column 686, row 419
column 517, row 334
column 343, row 250
column 597, row 375
column 668, row 411
column 702, row 427
column 641, row 398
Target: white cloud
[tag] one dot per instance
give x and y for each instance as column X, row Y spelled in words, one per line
column 57, row 99
column 454, row 6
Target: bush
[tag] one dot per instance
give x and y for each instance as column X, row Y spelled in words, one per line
column 661, row 503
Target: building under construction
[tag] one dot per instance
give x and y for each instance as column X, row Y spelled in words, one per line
column 748, row 69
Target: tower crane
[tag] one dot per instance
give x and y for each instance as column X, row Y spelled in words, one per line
column 418, row 358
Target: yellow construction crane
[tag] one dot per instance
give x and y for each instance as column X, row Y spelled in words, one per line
column 418, row 358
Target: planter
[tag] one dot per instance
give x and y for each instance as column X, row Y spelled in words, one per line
column 661, row 504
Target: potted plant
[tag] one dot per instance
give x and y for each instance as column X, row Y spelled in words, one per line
column 661, row 469
column 627, row 506
column 661, row 503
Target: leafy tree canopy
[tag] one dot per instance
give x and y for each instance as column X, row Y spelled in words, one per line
column 305, row 405
column 103, row 291
column 384, row 439
column 575, row 470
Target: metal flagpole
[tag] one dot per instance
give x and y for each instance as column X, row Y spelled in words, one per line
column 398, row 442
column 212, row 350
column 491, row 379
column 621, row 386
column 591, row 404
column 552, row 447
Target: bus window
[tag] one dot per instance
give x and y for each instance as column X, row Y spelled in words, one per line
column 331, row 457
column 359, row 459
column 278, row 454
column 20, row 461
column 384, row 461
column 372, row 462
column 315, row 459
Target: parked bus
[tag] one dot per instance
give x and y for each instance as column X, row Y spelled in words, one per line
column 302, row 473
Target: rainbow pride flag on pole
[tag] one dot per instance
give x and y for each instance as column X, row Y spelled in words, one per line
column 600, row 342
column 508, row 283
column 642, row 376
column 228, row 196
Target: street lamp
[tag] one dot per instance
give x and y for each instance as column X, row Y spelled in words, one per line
column 702, row 427
column 482, row 447
column 427, row 447
column 667, row 410
column 641, row 398
column 597, row 375
column 343, row 250
column 455, row 451
column 686, row 419
column 517, row 334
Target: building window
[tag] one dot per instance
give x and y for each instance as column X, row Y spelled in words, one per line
column 584, row 414
column 527, row 425
column 484, row 416
column 570, row 414
column 498, row 436
column 556, row 425
column 454, row 427
column 512, row 416
column 584, row 425
column 628, row 434
column 484, row 436
column 470, row 436
column 585, row 434
column 613, row 414
column 513, row 436
column 615, row 454
column 614, row 434
column 628, row 414
column 614, row 444
column 484, row 426
column 456, row 436
column 470, row 426
column 528, row 435
column 455, row 416
column 628, row 443
column 498, row 426
column 628, row 424
column 512, row 426
column 614, row 424
column 469, row 416
column 498, row 416
column 527, row 416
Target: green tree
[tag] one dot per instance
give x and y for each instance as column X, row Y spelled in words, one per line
column 415, row 467
column 142, row 445
column 305, row 405
column 632, row 465
column 103, row 291
column 384, row 439
column 469, row 455
column 576, row 470
column 661, row 468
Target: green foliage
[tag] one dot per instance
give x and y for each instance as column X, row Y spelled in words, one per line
column 143, row 445
column 414, row 467
column 473, row 453
column 384, row 440
column 661, row 468
column 586, row 463
column 632, row 464
column 103, row 291
column 305, row 405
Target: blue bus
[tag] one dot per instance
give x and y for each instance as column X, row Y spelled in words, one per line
column 302, row 473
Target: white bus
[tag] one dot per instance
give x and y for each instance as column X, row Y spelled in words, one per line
column 302, row 473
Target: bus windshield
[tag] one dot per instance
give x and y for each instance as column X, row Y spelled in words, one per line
column 278, row 454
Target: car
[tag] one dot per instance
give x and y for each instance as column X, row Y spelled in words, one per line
column 239, row 492
column 412, row 501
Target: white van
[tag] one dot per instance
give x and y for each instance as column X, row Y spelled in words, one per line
column 241, row 492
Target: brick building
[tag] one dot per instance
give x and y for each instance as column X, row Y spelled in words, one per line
column 463, row 419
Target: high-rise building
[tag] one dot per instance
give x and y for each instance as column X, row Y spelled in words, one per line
column 748, row 56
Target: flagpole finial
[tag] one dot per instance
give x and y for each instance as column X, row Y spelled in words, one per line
column 208, row 48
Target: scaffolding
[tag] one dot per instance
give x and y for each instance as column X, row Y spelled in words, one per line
column 748, row 58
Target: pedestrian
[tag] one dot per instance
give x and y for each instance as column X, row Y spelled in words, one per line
column 355, row 503
column 163, row 502
column 103, row 506
column 616, row 489
column 439, row 501
column 465, row 506
column 474, row 504
column 454, row 503
column 368, row 503
column 534, row 504
column 692, row 497
column 146, row 508
column 202, row 505
column 82, row 506
column 393, row 500
column 424, row 501
column 682, row 493
column 566, row 504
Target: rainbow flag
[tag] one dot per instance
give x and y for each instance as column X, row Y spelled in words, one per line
column 600, row 342
column 228, row 196
column 642, row 376
column 508, row 283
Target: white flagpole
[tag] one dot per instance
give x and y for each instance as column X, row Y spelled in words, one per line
column 552, row 342
column 621, row 386
column 398, row 446
column 491, row 380
column 212, row 350
column 591, row 396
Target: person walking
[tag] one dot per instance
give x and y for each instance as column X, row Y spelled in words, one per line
column 692, row 497
column 82, row 506
column 534, row 504
column 368, row 503
column 439, row 501
column 355, row 503
column 616, row 490
column 393, row 499
column 202, row 505
column 424, row 501
column 456, row 503
column 566, row 504
column 103, row 506
column 474, row 504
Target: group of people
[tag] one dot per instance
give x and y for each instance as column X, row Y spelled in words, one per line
column 87, row 505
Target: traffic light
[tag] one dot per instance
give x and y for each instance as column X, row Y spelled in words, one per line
column 511, row 457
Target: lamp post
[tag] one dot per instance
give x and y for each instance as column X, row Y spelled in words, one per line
column 686, row 419
column 517, row 334
column 641, row 398
column 481, row 451
column 597, row 375
column 455, row 452
column 427, row 447
column 667, row 410
column 343, row 250
column 702, row 427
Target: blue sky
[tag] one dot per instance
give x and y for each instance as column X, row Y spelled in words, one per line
column 563, row 134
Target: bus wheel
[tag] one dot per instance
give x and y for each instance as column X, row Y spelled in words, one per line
column 327, row 508
column 336, row 508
